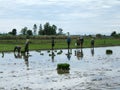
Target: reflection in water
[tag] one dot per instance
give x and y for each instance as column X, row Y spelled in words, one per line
column 68, row 54
column 26, row 56
column 53, row 55
column 63, row 71
column 2, row 54
column 79, row 54
column 92, row 51
column 95, row 72
column 53, row 43
column 60, row 52
column 17, row 55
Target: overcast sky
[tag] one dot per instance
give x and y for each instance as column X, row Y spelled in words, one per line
column 74, row 16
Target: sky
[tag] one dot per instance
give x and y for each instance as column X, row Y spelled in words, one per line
column 74, row 16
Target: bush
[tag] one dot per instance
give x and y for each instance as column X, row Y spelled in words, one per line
column 109, row 51
column 63, row 66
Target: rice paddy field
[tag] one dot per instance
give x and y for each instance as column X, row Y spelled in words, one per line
column 44, row 42
column 93, row 70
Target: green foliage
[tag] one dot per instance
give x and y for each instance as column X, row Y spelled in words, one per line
column 98, row 35
column 63, row 66
column 40, row 32
column 13, row 32
column 44, row 42
column 60, row 31
column 109, row 51
column 48, row 29
column 24, row 31
column 10, row 33
column 113, row 33
column 29, row 32
column 34, row 29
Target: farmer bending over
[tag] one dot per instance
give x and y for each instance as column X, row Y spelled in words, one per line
column 17, row 48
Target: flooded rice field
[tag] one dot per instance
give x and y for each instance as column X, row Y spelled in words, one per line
column 91, row 70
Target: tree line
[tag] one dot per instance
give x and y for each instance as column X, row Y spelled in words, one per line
column 115, row 34
column 45, row 29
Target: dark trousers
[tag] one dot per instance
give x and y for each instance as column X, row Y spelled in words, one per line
column 26, row 49
column 68, row 45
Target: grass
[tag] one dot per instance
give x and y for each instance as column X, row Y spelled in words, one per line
column 60, row 43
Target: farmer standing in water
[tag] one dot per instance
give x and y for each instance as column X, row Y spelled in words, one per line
column 68, row 40
column 92, row 43
column 53, row 43
column 27, row 46
column 81, row 42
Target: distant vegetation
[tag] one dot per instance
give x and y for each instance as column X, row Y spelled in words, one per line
column 40, row 38
column 8, row 42
column 46, row 29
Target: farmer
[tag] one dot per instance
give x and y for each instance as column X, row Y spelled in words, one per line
column 18, row 55
column 53, row 43
column 92, row 43
column 68, row 41
column 81, row 42
column 17, row 48
column 27, row 46
column 78, row 42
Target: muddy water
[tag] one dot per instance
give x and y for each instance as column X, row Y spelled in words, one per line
column 94, row 70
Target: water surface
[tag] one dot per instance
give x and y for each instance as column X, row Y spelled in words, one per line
column 93, row 71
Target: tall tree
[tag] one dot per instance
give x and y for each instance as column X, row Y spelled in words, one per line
column 24, row 31
column 54, row 28
column 14, row 31
column 60, row 31
column 47, row 28
column 113, row 33
column 40, row 32
column 35, row 29
column 29, row 32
